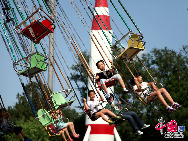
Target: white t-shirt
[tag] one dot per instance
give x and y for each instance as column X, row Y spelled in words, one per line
column 93, row 105
column 144, row 86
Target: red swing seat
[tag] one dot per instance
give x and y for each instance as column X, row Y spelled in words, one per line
column 107, row 83
column 39, row 30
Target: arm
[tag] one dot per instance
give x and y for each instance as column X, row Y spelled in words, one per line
column 153, row 85
column 119, row 105
column 85, row 104
column 137, row 84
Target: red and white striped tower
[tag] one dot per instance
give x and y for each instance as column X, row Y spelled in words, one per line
column 99, row 130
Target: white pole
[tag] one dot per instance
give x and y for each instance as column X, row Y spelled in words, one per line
column 117, row 137
column 86, row 137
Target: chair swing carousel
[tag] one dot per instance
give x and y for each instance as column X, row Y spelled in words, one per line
column 58, row 101
column 38, row 29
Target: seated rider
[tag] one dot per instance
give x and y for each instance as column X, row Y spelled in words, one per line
column 139, row 86
column 61, row 125
column 129, row 115
column 93, row 104
column 107, row 75
column 7, row 127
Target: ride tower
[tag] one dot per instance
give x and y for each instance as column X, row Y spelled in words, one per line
column 101, row 40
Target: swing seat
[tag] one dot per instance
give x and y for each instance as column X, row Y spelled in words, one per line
column 37, row 65
column 59, row 101
column 47, row 121
column 51, row 131
column 89, row 114
column 109, row 83
column 146, row 102
column 44, row 117
column 135, row 45
column 38, row 30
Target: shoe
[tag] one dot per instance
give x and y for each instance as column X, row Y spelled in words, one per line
column 118, row 117
column 69, row 139
column 145, row 126
column 111, row 122
column 176, row 105
column 76, row 135
column 170, row 109
column 139, row 132
column 125, row 91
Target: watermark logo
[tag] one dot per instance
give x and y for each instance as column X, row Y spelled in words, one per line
column 173, row 131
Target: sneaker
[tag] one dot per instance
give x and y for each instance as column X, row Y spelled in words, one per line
column 145, row 126
column 111, row 122
column 170, row 109
column 139, row 132
column 125, row 91
column 176, row 105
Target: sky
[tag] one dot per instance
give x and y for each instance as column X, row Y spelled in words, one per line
column 164, row 23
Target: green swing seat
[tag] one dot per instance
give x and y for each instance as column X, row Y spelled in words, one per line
column 38, row 64
column 44, row 117
column 47, row 121
column 59, row 100
column 135, row 45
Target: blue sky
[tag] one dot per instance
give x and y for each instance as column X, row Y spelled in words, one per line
column 162, row 22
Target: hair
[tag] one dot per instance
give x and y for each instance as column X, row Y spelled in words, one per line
column 99, row 62
column 111, row 96
column 136, row 74
column 90, row 91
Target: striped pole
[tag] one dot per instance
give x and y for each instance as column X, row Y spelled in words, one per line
column 99, row 130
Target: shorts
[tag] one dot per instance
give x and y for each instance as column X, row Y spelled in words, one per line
column 93, row 116
column 62, row 125
column 17, row 129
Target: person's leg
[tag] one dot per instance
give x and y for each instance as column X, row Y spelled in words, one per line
column 101, row 114
column 160, row 97
column 106, row 111
column 63, row 135
column 103, row 86
column 18, row 130
column 19, row 136
column 131, row 121
column 119, row 78
column 136, row 118
column 166, row 94
column 71, row 126
column 67, row 132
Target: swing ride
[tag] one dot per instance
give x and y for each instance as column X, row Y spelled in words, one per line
column 32, row 64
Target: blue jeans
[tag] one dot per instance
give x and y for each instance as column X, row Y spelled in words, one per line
column 131, row 116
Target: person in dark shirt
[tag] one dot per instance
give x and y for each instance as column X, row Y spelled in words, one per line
column 108, row 75
column 7, row 127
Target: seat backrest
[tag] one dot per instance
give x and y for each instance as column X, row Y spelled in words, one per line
column 44, row 117
column 135, row 42
column 48, row 24
column 58, row 99
column 37, row 60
